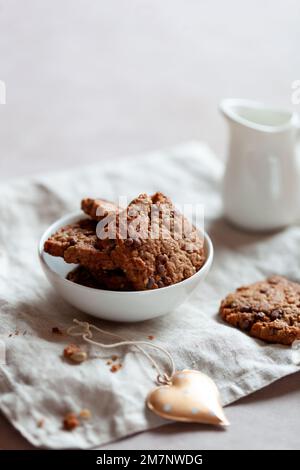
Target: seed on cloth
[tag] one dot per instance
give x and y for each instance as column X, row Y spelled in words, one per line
column 40, row 423
column 79, row 356
column 74, row 353
column 85, row 413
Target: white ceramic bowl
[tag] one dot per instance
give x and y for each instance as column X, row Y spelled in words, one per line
column 112, row 305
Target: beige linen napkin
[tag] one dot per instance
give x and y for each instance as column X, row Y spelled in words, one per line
column 37, row 384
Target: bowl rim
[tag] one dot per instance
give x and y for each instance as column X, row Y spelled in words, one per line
column 208, row 245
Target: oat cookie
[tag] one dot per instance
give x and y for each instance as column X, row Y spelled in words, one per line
column 78, row 243
column 268, row 310
column 151, row 263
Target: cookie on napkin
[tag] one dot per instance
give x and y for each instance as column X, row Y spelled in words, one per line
column 268, row 310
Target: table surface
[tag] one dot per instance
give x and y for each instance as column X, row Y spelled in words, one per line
column 119, row 78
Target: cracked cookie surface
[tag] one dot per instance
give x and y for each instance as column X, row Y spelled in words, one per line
column 268, row 310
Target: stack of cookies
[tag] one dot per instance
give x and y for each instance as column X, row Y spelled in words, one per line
column 122, row 249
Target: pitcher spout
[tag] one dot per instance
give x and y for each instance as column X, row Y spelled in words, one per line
column 257, row 116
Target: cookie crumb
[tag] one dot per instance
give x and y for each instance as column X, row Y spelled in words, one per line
column 151, row 337
column 56, row 331
column 40, row 423
column 115, row 367
column 109, row 362
column 71, row 349
column 79, row 357
column 17, row 332
column 74, row 353
column 70, row 422
column 85, row 413
column 114, row 358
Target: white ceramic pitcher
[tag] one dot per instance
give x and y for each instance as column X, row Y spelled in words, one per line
column 261, row 189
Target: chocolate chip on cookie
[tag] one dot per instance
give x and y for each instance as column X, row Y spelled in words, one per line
column 161, row 269
column 137, row 242
column 259, row 316
column 245, row 324
column 150, row 283
column 162, row 258
column 275, row 314
column 128, row 242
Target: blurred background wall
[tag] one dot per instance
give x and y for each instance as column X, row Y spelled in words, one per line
column 89, row 80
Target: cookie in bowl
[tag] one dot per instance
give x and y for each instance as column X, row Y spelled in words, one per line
column 133, row 276
column 145, row 260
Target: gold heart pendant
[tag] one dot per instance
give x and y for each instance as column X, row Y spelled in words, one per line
column 191, row 397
